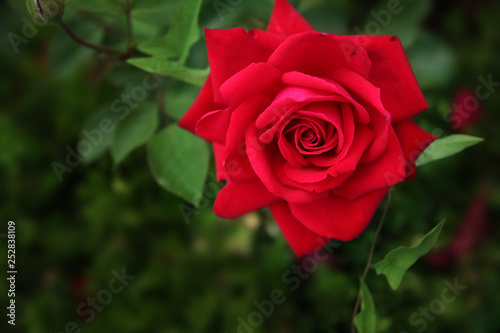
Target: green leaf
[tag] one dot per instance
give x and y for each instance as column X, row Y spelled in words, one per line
column 98, row 5
column 447, row 146
column 154, row 12
column 134, row 131
column 366, row 320
column 164, row 67
column 66, row 56
column 179, row 162
column 396, row 262
column 180, row 97
column 182, row 34
column 95, row 136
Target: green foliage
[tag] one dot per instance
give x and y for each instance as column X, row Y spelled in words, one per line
column 175, row 149
column 448, row 146
column 134, row 131
column 147, row 19
column 154, row 12
column 161, row 66
column 398, row 261
column 205, row 276
column 95, row 137
column 432, row 60
column 182, row 34
column 171, row 50
column 366, row 320
column 105, row 6
column 402, row 19
column 65, row 57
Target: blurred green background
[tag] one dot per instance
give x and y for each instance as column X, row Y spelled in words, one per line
column 205, row 274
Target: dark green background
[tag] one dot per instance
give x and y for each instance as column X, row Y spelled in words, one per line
column 202, row 275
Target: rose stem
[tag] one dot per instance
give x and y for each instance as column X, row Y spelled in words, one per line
column 370, row 257
column 80, row 41
column 130, row 33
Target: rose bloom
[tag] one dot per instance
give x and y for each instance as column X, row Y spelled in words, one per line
column 316, row 126
column 466, row 110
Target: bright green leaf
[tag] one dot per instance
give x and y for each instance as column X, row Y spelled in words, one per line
column 182, row 34
column 134, row 131
column 366, row 320
column 447, row 146
column 396, row 262
column 161, row 66
column 179, row 162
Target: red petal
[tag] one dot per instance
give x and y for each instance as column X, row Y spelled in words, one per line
column 361, row 89
column 337, row 217
column 286, row 20
column 348, row 129
column 311, row 53
column 328, row 183
column 360, row 62
column 230, row 51
column 256, row 78
column 244, row 115
column 387, row 170
column 219, row 162
column 323, row 84
column 203, row 104
column 213, row 126
column 362, row 139
column 236, row 199
column 237, row 163
column 392, row 73
column 301, row 240
column 413, row 140
column 290, row 153
column 262, row 159
column 238, row 167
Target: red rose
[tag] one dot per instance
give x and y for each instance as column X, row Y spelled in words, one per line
column 466, row 110
column 315, row 126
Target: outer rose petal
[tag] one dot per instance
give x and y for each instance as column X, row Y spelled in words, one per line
column 256, row 78
column 237, row 163
column 312, row 53
column 203, row 104
column 230, row 51
column 301, row 240
column 413, row 140
column 211, row 126
column 337, row 217
column 242, row 117
column 392, row 73
column 219, row 162
column 236, row 199
column 286, row 20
